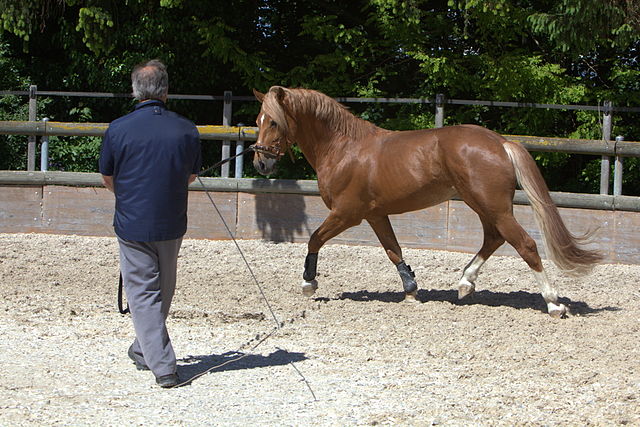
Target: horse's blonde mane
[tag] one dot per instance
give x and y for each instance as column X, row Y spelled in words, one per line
column 335, row 115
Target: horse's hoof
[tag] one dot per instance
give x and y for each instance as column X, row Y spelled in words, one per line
column 411, row 297
column 466, row 289
column 309, row 288
column 557, row 311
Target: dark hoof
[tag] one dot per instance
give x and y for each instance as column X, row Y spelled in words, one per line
column 309, row 288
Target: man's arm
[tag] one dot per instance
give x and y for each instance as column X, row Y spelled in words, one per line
column 108, row 182
column 192, row 178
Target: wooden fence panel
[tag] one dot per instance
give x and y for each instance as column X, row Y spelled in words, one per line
column 426, row 228
column 625, row 241
column 203, row 219
column 292, row 217
column 279, row 217
column 86, row 211
column 21, row 209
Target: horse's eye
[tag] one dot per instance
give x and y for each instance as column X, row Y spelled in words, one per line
column 273, row 124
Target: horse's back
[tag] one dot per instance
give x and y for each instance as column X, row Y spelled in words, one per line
column 400, row 171
column 448, row 146
column 437, row 164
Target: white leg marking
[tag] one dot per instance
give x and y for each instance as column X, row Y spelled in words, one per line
column 550, row 295
column 548, row 292
column 471, row 271
column 467, row 285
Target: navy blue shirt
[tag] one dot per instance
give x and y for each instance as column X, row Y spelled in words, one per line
column 151, row 153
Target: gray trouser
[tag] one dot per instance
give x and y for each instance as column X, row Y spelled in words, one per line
column 149, row 278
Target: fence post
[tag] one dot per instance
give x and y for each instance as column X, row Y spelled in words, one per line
column 605, row 167
column 44, row 148
column 239, row 162
column 439, row 110
column 31, row 145
column 617, row 171
column 226, row 144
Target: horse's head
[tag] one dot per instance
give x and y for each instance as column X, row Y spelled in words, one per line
column 273, row 130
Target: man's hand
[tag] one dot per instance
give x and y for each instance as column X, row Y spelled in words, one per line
column 108, row 182
column 192, row 178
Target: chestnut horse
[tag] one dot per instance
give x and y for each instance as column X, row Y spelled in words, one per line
column 366, row 172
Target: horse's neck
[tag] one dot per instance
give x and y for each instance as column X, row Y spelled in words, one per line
column 320, row 143
column 317, row 142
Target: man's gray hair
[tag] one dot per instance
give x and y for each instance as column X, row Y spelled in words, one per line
column 149, row 80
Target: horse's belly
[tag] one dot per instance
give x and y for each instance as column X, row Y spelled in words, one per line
column 405, row 202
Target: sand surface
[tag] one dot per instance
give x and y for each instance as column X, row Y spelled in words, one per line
column 353, row 354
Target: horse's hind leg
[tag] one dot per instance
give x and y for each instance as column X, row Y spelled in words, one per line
column 526, row 247
column 382, row 227
column 492, row 241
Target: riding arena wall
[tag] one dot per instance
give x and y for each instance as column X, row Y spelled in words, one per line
column 289, row 211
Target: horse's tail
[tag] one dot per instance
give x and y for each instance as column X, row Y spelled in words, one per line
column 562, row 247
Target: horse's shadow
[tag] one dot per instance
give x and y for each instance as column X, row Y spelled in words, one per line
column 518, row 300
column 194, row 366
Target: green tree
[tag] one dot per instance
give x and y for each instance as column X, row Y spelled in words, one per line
column 12, row 148
column 564, row 51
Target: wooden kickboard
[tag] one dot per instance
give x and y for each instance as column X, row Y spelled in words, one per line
column 289, row 217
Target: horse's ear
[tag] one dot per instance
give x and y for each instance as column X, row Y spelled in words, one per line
column 259, row 96
column 279, row 92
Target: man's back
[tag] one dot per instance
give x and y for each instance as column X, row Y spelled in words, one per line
column 151, row 153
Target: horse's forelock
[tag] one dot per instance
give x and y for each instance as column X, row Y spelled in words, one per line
column 272, row 106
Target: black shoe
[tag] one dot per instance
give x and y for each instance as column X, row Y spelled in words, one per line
column 137, row 359
column 167, row 381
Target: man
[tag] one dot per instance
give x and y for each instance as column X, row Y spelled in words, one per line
column 148, row 159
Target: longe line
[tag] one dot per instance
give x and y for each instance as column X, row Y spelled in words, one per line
column 277, row 322
column 241, row 253
column 226, row 362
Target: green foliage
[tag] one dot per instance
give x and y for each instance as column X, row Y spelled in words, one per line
column 74, row 154
column 13, row 148
column 94, row 23
column 542, row 51
column 18, row 17
column 569, row 21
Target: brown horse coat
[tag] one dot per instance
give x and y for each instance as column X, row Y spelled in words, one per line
column 366, row 172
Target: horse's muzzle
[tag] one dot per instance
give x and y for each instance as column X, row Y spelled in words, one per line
column 264, row 164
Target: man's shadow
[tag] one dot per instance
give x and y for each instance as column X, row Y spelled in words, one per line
column 518, row 300
column 194, row 366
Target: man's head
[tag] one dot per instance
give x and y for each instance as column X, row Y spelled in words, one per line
column 149, row 80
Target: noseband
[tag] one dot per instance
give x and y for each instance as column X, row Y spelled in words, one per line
column 276, row 150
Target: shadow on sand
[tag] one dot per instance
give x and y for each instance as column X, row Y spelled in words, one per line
column 280, row 210
column 193, row 366
column 518, row 300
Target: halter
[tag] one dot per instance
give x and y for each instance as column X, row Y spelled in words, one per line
column 276, row 150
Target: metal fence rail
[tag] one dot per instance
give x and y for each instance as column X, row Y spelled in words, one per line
column 249, row 133
column 606, row 147
column 440, row 99
column 49, row 128
column 617, row 149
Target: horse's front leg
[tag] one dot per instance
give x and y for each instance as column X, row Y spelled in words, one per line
column 333, row 225
column 382, row 227
column 309, row 282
